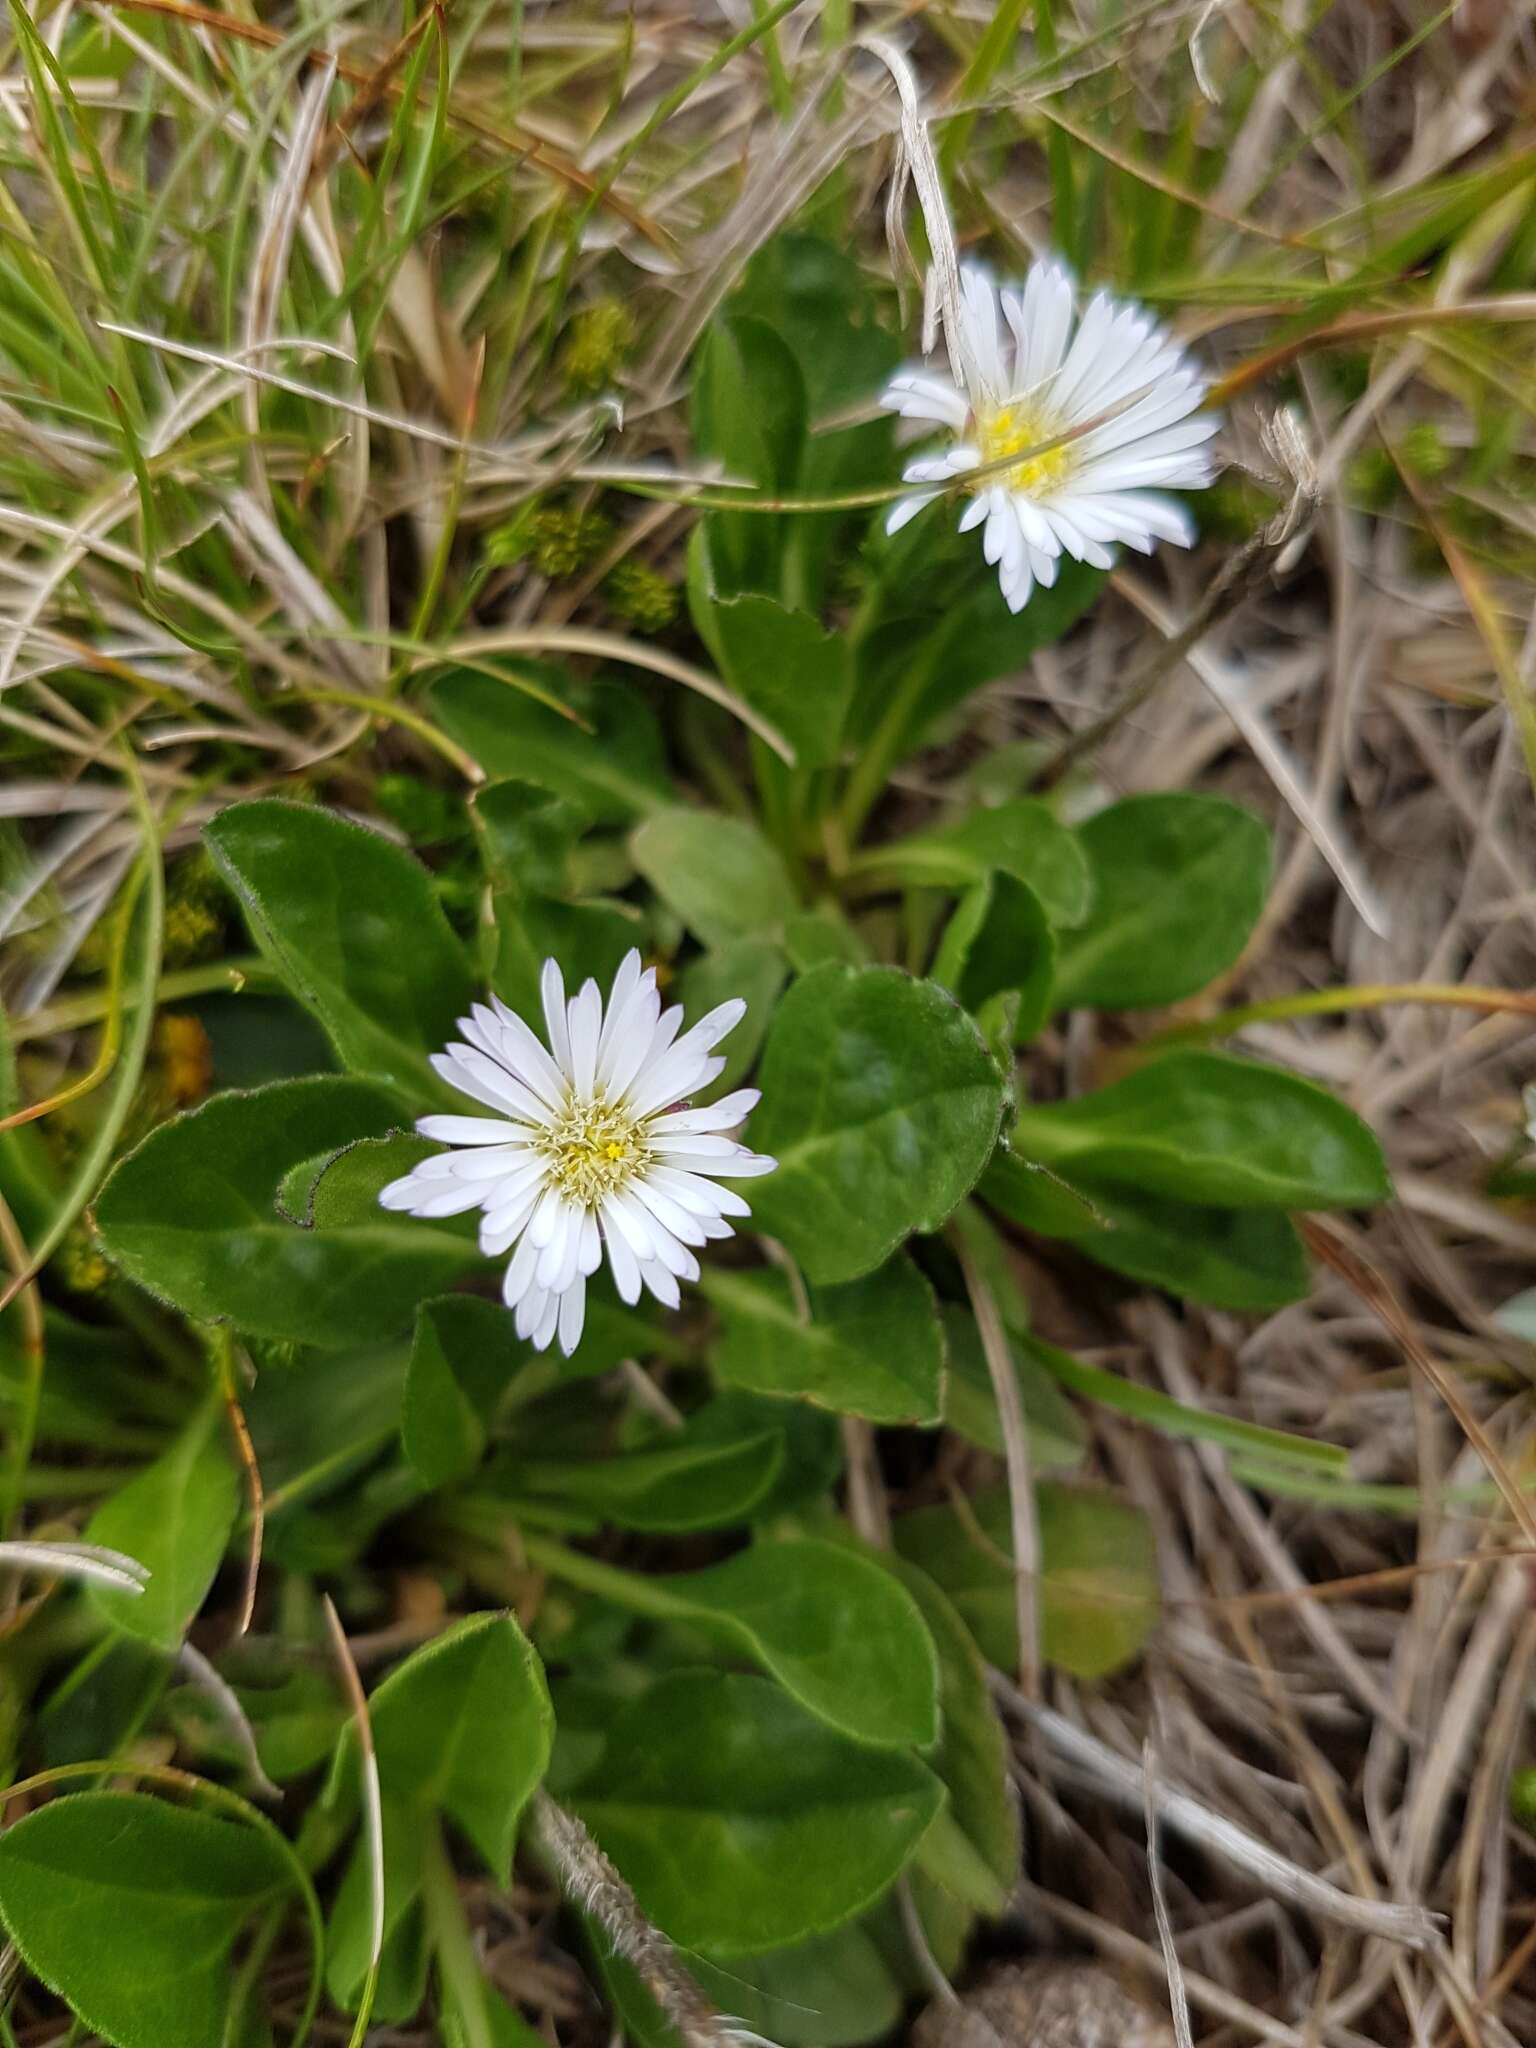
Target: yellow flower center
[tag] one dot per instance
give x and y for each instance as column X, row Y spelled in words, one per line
column 593, row 1148
column 1009, row 430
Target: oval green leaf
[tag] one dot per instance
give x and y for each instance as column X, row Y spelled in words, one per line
column 1178, row 884
column 1242, row 1259
column 881, row 1105
column 604, row 752
column 680, row 1487
column 128, row 1908
column 464, row 1727
column 354, row 928
column 462, row 1357
column 1021, row 838
column 193, row 1215
column 1206, row 1128
column 174, row 1517
column 872, row 1347
column 829, row 1624
column 718, row 874
column 1098, row 1578
column 742, row 1821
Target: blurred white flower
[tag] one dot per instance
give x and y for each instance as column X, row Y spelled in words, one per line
column 591, row 1148
column 1119, row 400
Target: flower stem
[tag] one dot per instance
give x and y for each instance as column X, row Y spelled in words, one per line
column 1325, row 1002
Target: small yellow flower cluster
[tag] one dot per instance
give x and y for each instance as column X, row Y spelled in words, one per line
column 559, row 541
column 79, row 1262
column 596, row 344
column 184, row 1057
column 194, row 912
column 641, row 595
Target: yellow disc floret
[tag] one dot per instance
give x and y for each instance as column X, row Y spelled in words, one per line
column 1009, row 431
column 594, row 1148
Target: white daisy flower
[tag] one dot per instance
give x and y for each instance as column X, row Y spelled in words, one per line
column 592, row 1146
column 1039, row 381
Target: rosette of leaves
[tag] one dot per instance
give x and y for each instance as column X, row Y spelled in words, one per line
column 778, row 1728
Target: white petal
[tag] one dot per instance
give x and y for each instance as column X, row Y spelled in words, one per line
column 552, row 993
column 527, row 1057
column 906, row 509
column 518, row 1278
column 557, row 1257
column 471, row 1073
column 923, row 395
column 499, row 1230
column 547, row 1216
column 669, row 1214
column 490, row 1162
column 406, row 1192
column 661, row 1283
column 621, row 1259
column 696, row 1193
column 723, row 1115
column 548, row 1322
column 1046, row 323
column 978, row 327
column 451, row 1200
column 619, row 1063
column 468, row 1130
column 573, row 1311
column 590, row 1256
column 529, row 1310
column 622, row 1213
column 585, row 1015
column 740, row 1165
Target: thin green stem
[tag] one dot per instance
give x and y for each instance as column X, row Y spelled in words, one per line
column 73, row 1013
column 640, row 1594
column 1327, row 1002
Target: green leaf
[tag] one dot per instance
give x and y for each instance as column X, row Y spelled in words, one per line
column 752, row 968
column 174, row 1517
column 718, row 874
column 1056, row 1434
column 1000, row 941
column 405, row 1958
column 193, row 1216
column 813, row 1444
column 873, row 1347
column 464, row 1726
column 1179, row 882
column 129, row 1907
column 1241, row 1259
column 829, row 1624
column 607, row 756
column 527, row 835
column 1205, row 1128
column 822, row 937
column 1178, row 1419
column 972, row 1755
column 1021, row 838
column 833, row 1991
column 781, row 661
column 749, row 412
column 669, row 1491
column 354, row 928
column 881, row 1105
column 462, row 1359
column 742, row 1821
column 1098, row 1582
column 943, row 628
